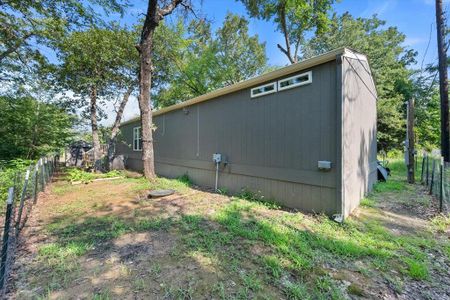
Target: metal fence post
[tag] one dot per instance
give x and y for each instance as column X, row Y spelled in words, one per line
column 46, row 170
column 36, row 186
column 22, row 200
column 56, row 162
column 9, row 208
column 41, row 163
column 421, row 172
column 432, row 176
column 441, row 185
column 49, row 169
column 52, row 166
column 427, row 173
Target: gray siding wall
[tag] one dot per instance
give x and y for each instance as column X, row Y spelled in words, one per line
column 272, row 143
column 359, row 147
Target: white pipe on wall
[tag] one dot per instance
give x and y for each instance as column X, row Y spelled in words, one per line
column 217, row 175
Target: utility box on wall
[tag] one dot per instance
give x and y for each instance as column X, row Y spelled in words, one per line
column 303, row 135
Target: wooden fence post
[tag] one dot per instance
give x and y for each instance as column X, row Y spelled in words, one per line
column 9, row 208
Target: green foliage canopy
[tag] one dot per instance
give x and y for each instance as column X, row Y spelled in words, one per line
column 193, row 61
column 388, row 58
column 29, row 27
column 31, row 128
column 427, row 109
column 293, row 18
column 103, row 59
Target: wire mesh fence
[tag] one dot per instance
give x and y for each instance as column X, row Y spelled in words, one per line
column 22, row 195
column 435, row 175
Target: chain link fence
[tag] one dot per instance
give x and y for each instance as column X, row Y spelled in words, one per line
column 435, row 175
column 22, row 195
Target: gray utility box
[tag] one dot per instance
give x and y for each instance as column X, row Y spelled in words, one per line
column 217, row 157
column 324, row 165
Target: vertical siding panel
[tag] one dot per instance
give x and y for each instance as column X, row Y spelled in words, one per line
column 288, row 130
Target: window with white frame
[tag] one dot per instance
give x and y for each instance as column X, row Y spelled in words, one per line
column 263, row 90
column 294, row 81
column 137, row 139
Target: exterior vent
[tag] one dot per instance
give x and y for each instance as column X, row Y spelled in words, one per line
column 263, row 90
column 294, row 81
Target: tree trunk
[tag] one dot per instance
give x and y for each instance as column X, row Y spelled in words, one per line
column 145, row 107
column 116, row 125
column 287, row 50
column 443, row 82
column 94, row 125
column 410, row 141
column 153, row 16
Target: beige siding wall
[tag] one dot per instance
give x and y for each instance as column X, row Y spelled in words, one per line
column 358, row 133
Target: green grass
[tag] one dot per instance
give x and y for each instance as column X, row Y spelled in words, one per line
column 416, row 269
column 389, row 186
column 249, row 195
column 296, row 291
column 103, row 295
column 251, row 281
column 181, row 184
column 368, row 202
column 294, row 246
column 53, row 250
column 441, row 223
column 396, row 182
column 273, row 266
column 75, row 174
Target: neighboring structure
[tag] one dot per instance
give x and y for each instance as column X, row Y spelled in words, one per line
column 303, row 135
column 75, row 153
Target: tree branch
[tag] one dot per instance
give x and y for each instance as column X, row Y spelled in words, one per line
column 285, row 52
column 189, row 8
column 168, row 9
column 297, row 47
column 14, row 47
column 123, row 103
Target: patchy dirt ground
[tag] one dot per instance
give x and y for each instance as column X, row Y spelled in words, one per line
column 107, row 240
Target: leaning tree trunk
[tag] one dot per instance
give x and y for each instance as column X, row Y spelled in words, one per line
column 145, row 106
column 94, row 125
column 116, row 126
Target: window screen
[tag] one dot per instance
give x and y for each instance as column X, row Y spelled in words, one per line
column 263, row 90
column 137, row 139
column 294, row 81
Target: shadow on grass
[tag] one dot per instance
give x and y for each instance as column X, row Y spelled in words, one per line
column 288, row 260
column 259, row 252
column 236, row 248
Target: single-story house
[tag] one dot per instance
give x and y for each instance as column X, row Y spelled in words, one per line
column 303, row 135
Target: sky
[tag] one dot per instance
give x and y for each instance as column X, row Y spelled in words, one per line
column 415, row 18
